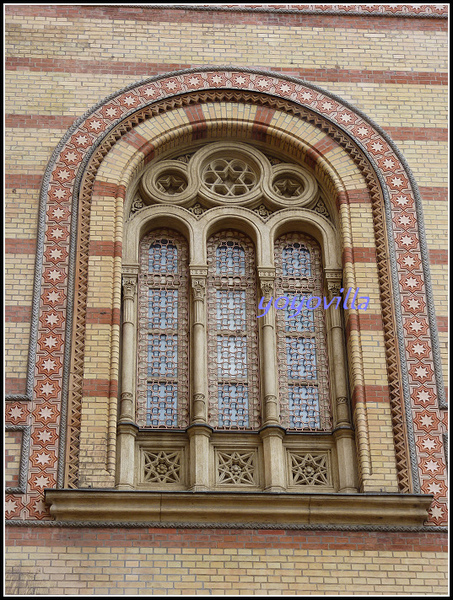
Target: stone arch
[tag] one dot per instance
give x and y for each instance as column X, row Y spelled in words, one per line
column 72, row 179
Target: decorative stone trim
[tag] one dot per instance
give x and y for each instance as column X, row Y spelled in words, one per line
column 241, row 507
column 439, row 11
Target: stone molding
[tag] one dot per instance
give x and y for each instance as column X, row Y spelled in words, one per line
column 409, row 510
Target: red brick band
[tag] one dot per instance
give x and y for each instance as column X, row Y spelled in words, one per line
column 326, row 145
column 434, row 193
column 139, row 142
column 442, row 323
column 261, row 123
column 353, row 197
column 103, row 188
column 438, row 257
column 103, row 316
column 197, row 119
column 134, row 68
column 105, row 248
column 149, row 537
column 370, row 393
column 20, row 246
column 364, row 320
column 15, row 385
column 39, row 121
column 101, row 388
column 359, row 254
column 438, row 134
column 17, row 314
column 22, row 181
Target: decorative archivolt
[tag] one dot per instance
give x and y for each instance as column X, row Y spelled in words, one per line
column 228, row 173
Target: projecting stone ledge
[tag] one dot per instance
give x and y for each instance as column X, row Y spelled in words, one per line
column 115, row 506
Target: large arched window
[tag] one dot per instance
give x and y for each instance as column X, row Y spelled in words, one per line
column 232, row 332
column 301, row 335
column 225, row 399
column 163, row 385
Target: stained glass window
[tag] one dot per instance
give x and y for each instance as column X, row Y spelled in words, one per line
column 162, row 390
column 301, row 343
column 232, row 332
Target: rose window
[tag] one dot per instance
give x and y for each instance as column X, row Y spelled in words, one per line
column 288, row 187
column 229, row 177
column 171, row 183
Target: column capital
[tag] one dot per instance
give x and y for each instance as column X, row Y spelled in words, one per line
column 129, row 284
column 198, row 276
column 266, row 277
column 333, row 279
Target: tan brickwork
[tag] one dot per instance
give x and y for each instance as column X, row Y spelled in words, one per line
column 173, row 570
column 20, row 213
column 13, row 444
column 192, row 43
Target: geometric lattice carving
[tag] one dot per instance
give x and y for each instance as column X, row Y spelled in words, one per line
column 301, row 335
column 162, row 374
column 288, row 187
column 170, row 183
column 229, row 177
column 232, row 332
column 236, row 468
column 161, row 467
column 309, row 469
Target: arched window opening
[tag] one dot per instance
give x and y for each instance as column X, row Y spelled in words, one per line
column 232, row 332
column 301, row 335
column 163, row 378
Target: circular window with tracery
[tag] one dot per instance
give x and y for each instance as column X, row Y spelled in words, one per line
column 171, row 183
column 288, row 187
column 229, row 177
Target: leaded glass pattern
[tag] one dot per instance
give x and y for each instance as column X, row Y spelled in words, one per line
column 162, row 366
column 301, row 338
column 232, row 332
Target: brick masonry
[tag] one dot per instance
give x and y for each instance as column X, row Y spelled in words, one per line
column 223, row 561
column 394, row 69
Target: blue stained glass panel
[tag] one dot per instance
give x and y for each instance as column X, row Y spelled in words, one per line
column 301, row 358
column 230, row 259
column 230, row 309
column 163, row 257
column 233, row 405
column 304, row 321
column 296, row 260
column 231, row 356
column 162, row 355
column 163, row 309
column 303, row 407
column 161, row 405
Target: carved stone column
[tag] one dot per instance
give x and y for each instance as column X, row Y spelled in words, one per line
column 343, row 430
column 127, row 429
column 199, row 431
column 272, row 433
column 271, row 410
column 199, row 410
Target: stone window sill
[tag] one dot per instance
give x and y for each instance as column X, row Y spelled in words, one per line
column 221, row 508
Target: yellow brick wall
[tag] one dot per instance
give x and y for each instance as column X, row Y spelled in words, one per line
column 199, row 570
